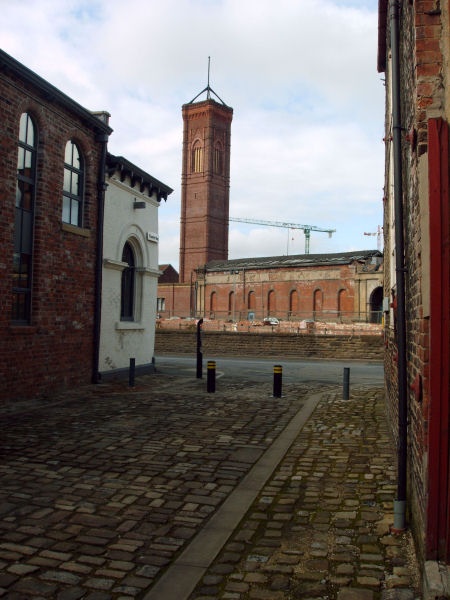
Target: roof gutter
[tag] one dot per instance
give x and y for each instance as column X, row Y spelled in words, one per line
column 400, row 501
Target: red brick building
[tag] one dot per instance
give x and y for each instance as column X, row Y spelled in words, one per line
column 52, row 156
column 414, row 54
column 345, row 287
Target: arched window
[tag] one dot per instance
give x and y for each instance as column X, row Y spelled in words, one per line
column 72, row 212
column 128, row 284
column 24, row 218
column 218, row 158
column 197, row 158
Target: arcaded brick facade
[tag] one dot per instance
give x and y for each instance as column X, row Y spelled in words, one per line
column 424, row 173
column 54, row 348
column 345, row 287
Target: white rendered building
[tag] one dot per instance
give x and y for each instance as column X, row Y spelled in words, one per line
column 130, row 268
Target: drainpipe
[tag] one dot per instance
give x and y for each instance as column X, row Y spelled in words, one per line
column 101, row 188
column 400, row 501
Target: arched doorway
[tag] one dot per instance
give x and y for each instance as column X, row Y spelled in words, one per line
column 376, row 305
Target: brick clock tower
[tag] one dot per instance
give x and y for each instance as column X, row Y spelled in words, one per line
column 205, row 183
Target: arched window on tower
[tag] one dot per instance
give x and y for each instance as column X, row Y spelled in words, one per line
column 197, row 158
column 218, row 158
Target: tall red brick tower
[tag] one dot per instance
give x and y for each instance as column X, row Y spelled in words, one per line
column 205, row 183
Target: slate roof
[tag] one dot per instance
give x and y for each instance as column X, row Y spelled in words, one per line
column 297, row 260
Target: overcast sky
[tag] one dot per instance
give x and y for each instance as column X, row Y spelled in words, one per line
column 306, row 136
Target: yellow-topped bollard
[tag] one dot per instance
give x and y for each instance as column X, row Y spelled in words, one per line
column 277, row 380
column 211, row 376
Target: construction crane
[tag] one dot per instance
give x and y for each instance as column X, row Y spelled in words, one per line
column 305, row 228
column 379, row 234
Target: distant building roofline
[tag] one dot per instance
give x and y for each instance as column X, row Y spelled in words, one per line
column 298, row 260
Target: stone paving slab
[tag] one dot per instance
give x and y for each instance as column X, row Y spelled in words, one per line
column 104, row 489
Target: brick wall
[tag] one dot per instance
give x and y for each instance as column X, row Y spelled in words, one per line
column 56, row 349
column 270, row 345
column 422, row 91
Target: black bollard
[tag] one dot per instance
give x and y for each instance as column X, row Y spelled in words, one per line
column 277, row 380
column 346, row 392
column 131, row 372
column 199, row 350
column 211, row 376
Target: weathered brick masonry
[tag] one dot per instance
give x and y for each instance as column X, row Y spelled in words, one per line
column 269, row 345
column 423, row 170
column 55, row 348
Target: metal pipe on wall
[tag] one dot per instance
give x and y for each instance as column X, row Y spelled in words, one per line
column 101, row 189
column 400, row 501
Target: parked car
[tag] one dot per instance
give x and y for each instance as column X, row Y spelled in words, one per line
column 271, row 321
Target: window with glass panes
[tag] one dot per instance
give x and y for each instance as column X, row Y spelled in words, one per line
column 72, row 212
column 24, row 218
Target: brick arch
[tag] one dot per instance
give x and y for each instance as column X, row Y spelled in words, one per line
column 231, row 301
column 271, row 302
column 251, row 300
column 34, row 110
column 344, row 302
column 294, row 302
column 213, row 302
column 317, row 300
column 84, row 145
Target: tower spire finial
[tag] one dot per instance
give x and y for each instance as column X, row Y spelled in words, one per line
column 208, row 88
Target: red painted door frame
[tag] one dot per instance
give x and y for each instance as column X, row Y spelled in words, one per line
column 438, row 510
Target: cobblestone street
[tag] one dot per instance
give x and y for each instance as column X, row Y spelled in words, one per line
column 164, row 491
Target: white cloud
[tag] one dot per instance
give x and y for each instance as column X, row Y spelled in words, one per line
column 300, row 75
